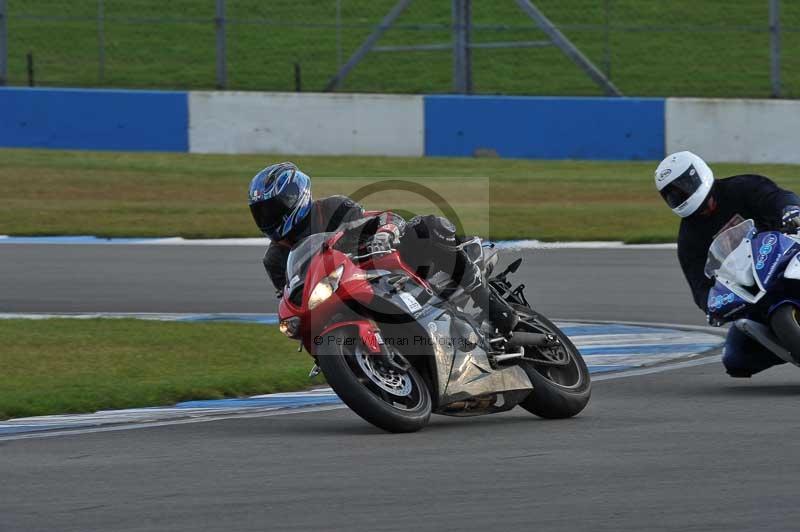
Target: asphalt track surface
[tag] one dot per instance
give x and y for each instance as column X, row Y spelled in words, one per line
column 688, row 449
column 604, row 284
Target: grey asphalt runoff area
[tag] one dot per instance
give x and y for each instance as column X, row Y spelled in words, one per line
column 688, row 449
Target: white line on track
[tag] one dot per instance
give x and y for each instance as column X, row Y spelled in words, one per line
column 153, row 424
column 719, row 331
column 709, row 359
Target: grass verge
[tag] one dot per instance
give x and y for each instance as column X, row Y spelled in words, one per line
column 176, row 194
column 66, row 365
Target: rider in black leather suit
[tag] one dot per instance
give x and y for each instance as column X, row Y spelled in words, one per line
column 426, row 243
column 707, row 206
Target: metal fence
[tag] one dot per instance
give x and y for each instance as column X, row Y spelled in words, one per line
column 720, row 48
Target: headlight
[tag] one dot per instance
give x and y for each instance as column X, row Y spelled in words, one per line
column 290, row 327
column 325, row 288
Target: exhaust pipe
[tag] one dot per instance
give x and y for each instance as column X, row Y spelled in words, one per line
column 523, row 339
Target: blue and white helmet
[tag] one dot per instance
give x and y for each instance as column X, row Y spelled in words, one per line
column 280, row 199
column 684, row 180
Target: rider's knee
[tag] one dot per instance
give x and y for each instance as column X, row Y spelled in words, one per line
column 744, row 357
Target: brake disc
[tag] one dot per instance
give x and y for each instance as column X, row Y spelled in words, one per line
column 387, row 379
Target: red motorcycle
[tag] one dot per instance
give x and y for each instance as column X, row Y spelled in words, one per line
column 396, row 347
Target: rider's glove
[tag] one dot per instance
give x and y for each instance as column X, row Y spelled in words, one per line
column 384, row 239
column 790, row 221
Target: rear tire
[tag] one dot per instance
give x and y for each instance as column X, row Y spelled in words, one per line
column 785, row 323
column 556, row 395
column 362, row 395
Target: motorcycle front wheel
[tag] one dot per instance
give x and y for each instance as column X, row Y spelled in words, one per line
column 785, row 323
column 390, row 399
column 561, row 382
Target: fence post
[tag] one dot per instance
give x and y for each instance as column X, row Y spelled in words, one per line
column 607, row 44
column 3, row 43
column 462, row 68
column 29, row 64
column 101, row 42
column 219, row 23
column 338, row 35
column 468, row 44
column 775, row 46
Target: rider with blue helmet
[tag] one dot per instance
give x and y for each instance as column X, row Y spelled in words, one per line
column 280, row 199
column 283, row 208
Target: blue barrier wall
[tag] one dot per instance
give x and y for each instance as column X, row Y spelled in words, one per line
column 545, row 128
column 524, row 127
column 94, row 119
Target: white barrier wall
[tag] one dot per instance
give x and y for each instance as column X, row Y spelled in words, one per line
column 745, row 131
column 305, row 123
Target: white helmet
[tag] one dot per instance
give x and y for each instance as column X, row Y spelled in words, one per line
column 684, row 181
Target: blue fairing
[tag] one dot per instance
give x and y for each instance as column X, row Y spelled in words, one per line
column 772, row 251
column 722, row 303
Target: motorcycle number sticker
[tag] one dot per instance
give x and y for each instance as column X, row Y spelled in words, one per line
column 412, row 304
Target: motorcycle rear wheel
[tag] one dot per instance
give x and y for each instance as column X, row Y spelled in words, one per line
column 558, row 391
column 393, row 402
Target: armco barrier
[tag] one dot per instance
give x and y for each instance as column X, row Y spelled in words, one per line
column 94, row 119
column 545, row 128
column 745, row 131
column 306, row 123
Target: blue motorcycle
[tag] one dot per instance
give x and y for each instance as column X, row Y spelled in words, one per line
column 757, row 286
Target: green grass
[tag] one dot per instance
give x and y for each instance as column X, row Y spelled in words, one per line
column 648, row 48
column 146, row 194
column 67, row 365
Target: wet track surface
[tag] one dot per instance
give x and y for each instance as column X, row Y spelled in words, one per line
column 683, row 449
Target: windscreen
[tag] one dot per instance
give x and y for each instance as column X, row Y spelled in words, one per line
column 725, row 244
column 301, row 255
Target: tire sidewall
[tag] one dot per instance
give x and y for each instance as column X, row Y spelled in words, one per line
column 551, row 400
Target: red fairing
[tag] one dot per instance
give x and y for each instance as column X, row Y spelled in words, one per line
column 367, row 331
column 286, row 310
column 353, row 285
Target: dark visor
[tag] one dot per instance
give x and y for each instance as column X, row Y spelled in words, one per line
column 681, row 188
column 269, row 214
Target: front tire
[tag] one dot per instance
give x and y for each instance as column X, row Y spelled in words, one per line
column 558, row 391
column 785, row 323
column 366, row 394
